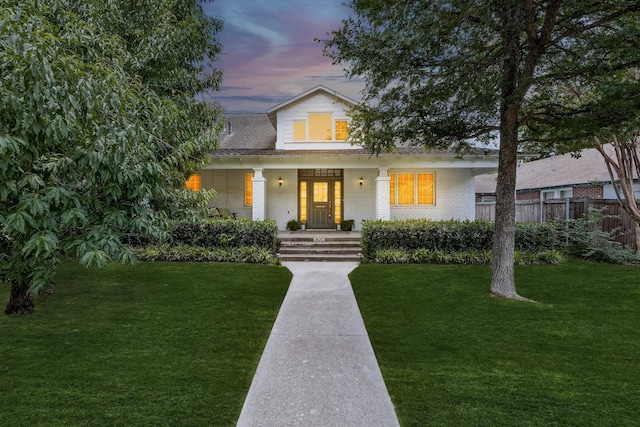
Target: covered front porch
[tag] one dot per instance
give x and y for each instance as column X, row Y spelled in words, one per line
column 320, row 198
column 322, row 189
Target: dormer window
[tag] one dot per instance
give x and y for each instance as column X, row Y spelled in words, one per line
column 341, row 130
column 320, row 127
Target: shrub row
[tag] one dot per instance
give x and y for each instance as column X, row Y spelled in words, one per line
column 186, row 253
column 212, row 240
column 449, row 236
column 425, row 256
column 219, row 233
column 225, row 233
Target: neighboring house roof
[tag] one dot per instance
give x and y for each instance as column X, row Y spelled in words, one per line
column 552, row 172
column 486, row 184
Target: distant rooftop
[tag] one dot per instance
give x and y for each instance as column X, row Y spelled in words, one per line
column 554, row 171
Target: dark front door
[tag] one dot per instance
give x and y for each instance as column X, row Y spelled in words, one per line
column 321, row 196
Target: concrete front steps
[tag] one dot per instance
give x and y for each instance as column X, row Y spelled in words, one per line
column 319, row 246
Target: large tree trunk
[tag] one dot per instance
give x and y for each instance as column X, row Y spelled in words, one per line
column 20, row 301
column 502, row 271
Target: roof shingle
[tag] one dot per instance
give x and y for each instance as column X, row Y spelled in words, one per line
column 248, row 131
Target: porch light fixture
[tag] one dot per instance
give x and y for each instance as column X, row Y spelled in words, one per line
column 280, row 181
column 361, row 181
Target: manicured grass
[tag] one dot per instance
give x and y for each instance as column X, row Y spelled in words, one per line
column 453, row 356
column 164, row 344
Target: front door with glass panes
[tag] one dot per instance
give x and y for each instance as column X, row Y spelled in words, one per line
column 320, row 197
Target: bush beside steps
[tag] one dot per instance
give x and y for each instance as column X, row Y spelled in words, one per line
column 213, row 240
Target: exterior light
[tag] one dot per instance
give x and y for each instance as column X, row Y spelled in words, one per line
column 361, row 181
column 280, row 181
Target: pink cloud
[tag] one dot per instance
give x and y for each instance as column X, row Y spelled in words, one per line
column 270, row 53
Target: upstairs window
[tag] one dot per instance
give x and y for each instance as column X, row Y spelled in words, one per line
column 341, row 130
column 299, row 130
column 193, row 183
column 320, row 127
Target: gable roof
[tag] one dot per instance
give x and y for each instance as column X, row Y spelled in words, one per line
column 272, row 112
column 555, row 171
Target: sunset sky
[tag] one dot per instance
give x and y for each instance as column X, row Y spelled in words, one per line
column 270, row 54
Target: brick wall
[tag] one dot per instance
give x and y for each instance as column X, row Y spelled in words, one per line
column 591, row 191
column 528, row 195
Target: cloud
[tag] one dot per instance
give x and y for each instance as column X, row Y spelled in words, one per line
column 270, row 49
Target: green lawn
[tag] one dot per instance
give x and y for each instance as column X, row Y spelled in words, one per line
column 164, row 344
column 453, row 356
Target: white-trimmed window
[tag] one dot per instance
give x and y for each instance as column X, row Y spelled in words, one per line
column 320, row 127
column 248, row 189
column 341, row 127
column 412, row 189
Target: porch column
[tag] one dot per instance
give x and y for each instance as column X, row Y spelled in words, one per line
column 383, row 204
column 258, row 185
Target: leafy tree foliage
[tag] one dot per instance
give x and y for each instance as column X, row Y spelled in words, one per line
column 605, row 115
column 449, row 74
column 622, row 157
column 99, row 128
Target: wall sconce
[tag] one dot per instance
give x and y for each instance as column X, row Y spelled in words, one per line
column 280, row 182
column 361, row 181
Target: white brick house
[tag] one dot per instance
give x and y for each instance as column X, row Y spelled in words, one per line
column 294, row 162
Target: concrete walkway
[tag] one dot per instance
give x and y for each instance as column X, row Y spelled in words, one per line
column 318, row 367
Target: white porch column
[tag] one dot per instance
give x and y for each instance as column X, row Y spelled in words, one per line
column 258, row 184
column 383, row 204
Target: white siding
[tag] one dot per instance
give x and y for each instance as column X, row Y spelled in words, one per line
column 319, row 103
column 282, row 201
column 360, row 201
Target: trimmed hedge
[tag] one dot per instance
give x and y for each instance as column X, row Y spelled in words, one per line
column 225, row 233
column 448, row 236
column 185, row 253
column 425, row 256
column 213, row 240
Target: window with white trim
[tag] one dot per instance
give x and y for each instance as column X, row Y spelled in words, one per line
column 320, row 127
column 248, row 189
column 412, row 189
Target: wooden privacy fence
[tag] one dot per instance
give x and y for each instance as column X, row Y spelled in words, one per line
column 546, row 210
